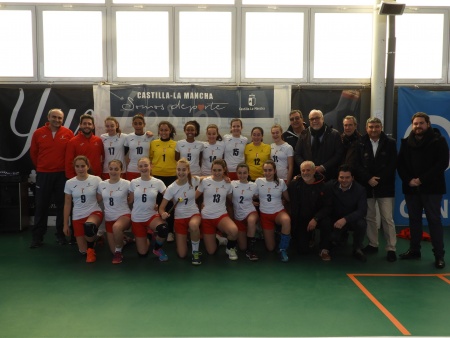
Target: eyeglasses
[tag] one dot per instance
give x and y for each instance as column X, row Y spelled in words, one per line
column 314, row 119
column 296, row 118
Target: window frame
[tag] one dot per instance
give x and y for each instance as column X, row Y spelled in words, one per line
column 71, row 8
column 306, row 16
column 234, row 30
column 34, row 55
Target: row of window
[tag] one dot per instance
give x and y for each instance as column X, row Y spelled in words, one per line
column 228, row 44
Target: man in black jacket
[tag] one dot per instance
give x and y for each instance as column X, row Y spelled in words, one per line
column 375, row 165
column 349, row 210
column 422, row 161
column 350, row 139
column 311, row 206
column 297, row 125
column 320, row 144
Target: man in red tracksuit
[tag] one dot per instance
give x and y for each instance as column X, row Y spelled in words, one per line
column 47, row 152
column 87, row 144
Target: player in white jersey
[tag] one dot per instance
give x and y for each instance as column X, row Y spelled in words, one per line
column 86, row 215
column 187, row 216
column 213, row 149
column 282, row 154
column 114, row 144
column 271, row 190
column 215, row 191
column 190, row 148
column 138, row 145
column 234, row 147
column 114, row 194
column 144, row 218
column 245, row 214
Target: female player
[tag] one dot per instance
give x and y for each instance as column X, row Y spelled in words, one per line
column 144, row 217
column 137, row 144
column 190, row 148
column 214, row 213
column 187, row 216
column 234, row 147
column 245, row 215
column 271, row 190
column 282, row 154
column 212, row 150
column 114, row 144
column 114, row 194
column 86, row 215
column 163, row 158
column 256, row 153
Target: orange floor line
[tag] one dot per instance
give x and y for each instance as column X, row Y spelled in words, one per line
column 399, row 274
column 443, row 278
column 389, row 315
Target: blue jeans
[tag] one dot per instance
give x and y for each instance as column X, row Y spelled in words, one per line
column 432, row 205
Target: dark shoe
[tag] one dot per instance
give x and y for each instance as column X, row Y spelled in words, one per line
column 72, row 241
column 369, row 249
column 36, row 244
column 391, row 256
column 410, row 255
column 359, row 255
column 61, row 241
column 439, row 263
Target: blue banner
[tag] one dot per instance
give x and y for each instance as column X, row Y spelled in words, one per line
column 437, row 105
column 192, row 101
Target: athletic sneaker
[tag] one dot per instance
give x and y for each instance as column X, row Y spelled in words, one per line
column 161, row 255
column 283, row 256
column 232, row 254
column 170, row 237
column 223, row 241
column 90, row 256
column 118, row 257
column 325, row 255
column 251, row 255
column 196, row 260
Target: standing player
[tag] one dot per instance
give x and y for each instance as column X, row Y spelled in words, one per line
column 256, row 153
column 190, row 148
column 214, row 213
column 282, row 154
column 245, row 214
column 47, row 151
column 213, row 149
column 187, row 216
column 113, row 144
column 144, row 217
column 271, row 190
column 114, row 194
column 86, row 215
column 137, row 144
column 234, row 147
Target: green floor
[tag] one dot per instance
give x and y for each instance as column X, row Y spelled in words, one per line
column 52, row 292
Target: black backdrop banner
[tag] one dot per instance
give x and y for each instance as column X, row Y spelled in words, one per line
column 192, row 101
column 23, row 110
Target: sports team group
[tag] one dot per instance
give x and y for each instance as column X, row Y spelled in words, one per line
column 307, row 189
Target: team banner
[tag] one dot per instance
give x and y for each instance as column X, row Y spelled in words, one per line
column 192, row 101
column 437, row 105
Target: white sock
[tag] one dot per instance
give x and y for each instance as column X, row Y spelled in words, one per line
column 195, row 245
column 118, row 249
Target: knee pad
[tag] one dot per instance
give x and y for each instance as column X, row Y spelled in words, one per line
column 162, row 230
column 90, row 229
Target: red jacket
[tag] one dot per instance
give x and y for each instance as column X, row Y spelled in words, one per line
column 48, row 153
column 91, row 147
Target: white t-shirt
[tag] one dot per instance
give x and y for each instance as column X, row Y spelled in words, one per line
column 279, row 154
column 210, row 153
column 270, row 195
column 115, row 198
column 234, row 151
column 214, row 197
column 187, row 207
column 243, row 199
column 191, row 151
column 139, row 146
column 84, row 196
column 114, row 150
column 145, row 193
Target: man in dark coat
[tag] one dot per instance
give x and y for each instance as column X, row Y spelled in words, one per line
column 297, row 125
column 350, row 139
column 422, row 161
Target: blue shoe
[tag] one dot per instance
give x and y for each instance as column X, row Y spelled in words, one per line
column 283, row 256
column 161, row 255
